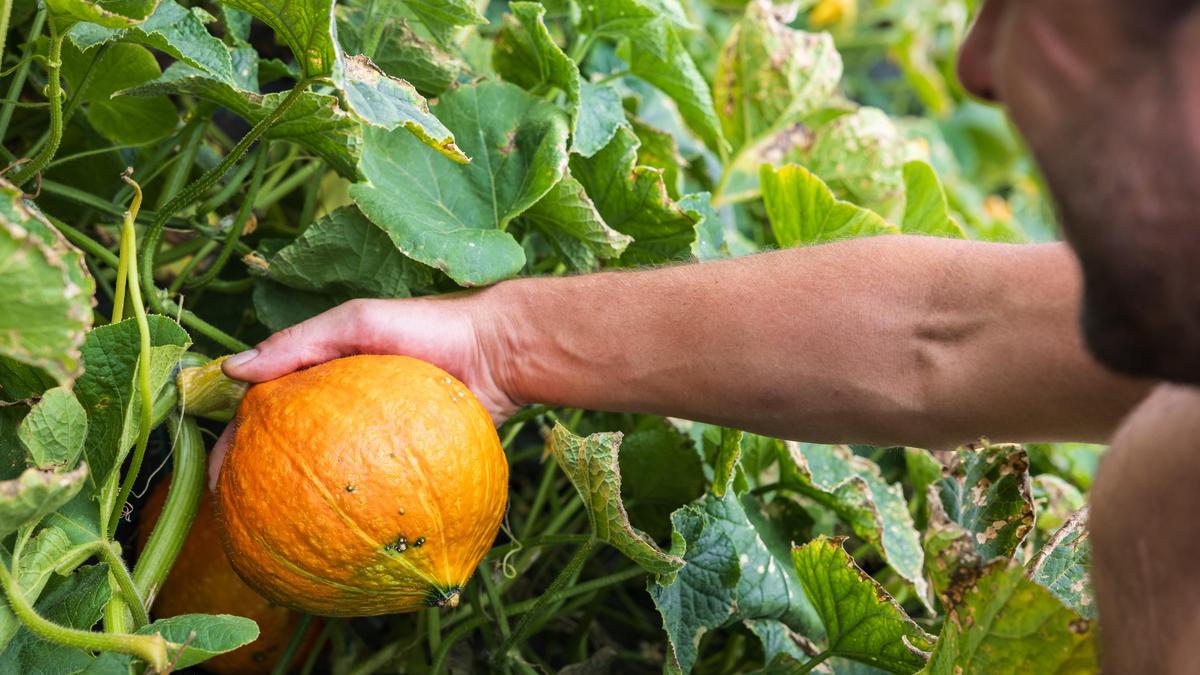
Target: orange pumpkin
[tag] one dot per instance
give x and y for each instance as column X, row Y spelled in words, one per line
column 202, row 581
column 365, row 485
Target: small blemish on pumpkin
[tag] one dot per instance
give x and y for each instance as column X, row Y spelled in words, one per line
column 351, row 487
column 399, row 546
column 401, row 510
column 419, row 542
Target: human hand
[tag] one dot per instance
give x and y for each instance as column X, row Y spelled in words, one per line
column 457, row 333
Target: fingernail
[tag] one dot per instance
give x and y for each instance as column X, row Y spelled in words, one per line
column 238, row 360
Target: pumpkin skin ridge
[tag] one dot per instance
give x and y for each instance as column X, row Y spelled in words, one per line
column 345, row 522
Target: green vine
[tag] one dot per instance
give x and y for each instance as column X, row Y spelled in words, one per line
column 54, row 95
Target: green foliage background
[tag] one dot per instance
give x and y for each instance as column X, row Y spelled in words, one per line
column 295, row 154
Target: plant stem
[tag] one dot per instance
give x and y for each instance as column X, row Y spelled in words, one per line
column 293, row 646
column 153, row 238
column 433, row 622
column 85, row 242
column 193, row 134
column 814, row 662
column 239, row 223
column 493, row 596
column 116, row 567
column 206, row 250
column 18, row 81
column 315, row 652
column 54, row 94
column 129, row 250
column 539, row 500
column 150, row 648
column 5, row 11
column 285, row 187
column 547, row 598
column 465, row 627
column 179, row 509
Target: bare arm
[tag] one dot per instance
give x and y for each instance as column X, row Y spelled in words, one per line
column 893, row 340
column 897, row 340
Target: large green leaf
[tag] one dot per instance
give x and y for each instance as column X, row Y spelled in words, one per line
column 591, row 464
column 600, row 115
column 54, row 430
column 738, row 567
column 206, row 635
column 926, row 209
column 1063, row 565
column 568, row 211
column 453, row 216
column 172, row 29
column 660, row 472
column 107, row 390
column 1006, row 624
column 399, row 51
column 75, row 602
column 315, row 122
column 121, row 66
column 988, row 492
column 37, row 564
column 862, row 622
column 770, row 75
column 306, row 26
column 442, row 17
column 379, row 100
column 803, row 210
column 34, row 494
column 107, row 13
column 47, row 291
column 854, row 488
column 633, row 200
column 339, row 257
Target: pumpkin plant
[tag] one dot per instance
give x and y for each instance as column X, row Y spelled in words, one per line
column 185, row 177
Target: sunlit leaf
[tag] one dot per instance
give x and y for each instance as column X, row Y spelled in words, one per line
column 926, row 210
column 47, row 291
column 803, row 211
column 442, row 17
column 861, row 157
column 862, row 622
column 591, row 464
column 1006, row 624
column 399, row 52
column 1064, row 563
column 526, row 54
column 172, row 29
column 107, row 13
column 567, row 210
column 306, row 26
column 728, row 454
column 454, row 216
column 770, row 75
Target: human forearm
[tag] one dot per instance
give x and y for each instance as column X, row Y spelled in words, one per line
column 897, row 340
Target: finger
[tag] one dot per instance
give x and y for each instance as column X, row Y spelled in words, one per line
column 217, row 457
column 326, row 336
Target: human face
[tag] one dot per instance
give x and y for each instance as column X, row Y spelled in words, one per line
column 1109, row 101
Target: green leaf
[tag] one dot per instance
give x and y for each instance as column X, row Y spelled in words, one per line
column 660, row 472
column 526, row 55
column 633, row 200
column 339, row 257
column 379, row 100
column 47, row 291
column 854, row 488
column 453, row 216
column 400, row 52
column 36, row 493
column 803, row 210
column 862, row 622
column 769, row 75
column 37, row 565
column 19, row 381
column 106, row 389
column 107, row 13
column 926, row 210
column 567, row 210
column 1076, row 462
column 658, row 149
column 315, row 122
column 442, row 17
column 1055, row 500
column 306, row 26
column 600, row 115
column 861, row 157
column 675, row 74
column 75, row 602
column 1006, row 624
column 591, row 464
column 13, row 456
column 206, row 635
column 776, row 639
column 1063, row 565
column 172, row 29
column 737, row 568
column 728, row 454
column 120, row 66
column 54, row 430
column 987, row 491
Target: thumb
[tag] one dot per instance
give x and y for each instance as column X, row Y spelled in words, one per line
column 327, row 336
